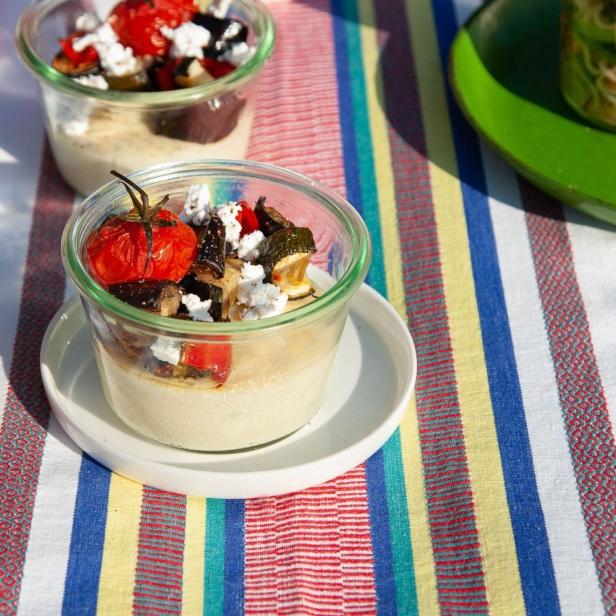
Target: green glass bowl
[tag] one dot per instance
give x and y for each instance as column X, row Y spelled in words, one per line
column 504, row 71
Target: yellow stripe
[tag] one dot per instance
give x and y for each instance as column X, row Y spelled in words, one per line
column 494, row 525
column 423, row 557
column 382, row 159
column 117, row 580
column 194, row 557
column 423, row 560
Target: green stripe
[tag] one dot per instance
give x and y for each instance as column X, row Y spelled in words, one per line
column 399, row 523
column 214, row 594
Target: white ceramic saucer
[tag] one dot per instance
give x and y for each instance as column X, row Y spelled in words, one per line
column 367, row 393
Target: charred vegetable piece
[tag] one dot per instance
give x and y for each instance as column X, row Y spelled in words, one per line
column 190, row 72
column 205, row 290
column 227, row 284
column 270, row 219
column 212, row 246
column 135, row 82
column 65, row 65
column 285, row 255
column 162, row 298
column 224, row 33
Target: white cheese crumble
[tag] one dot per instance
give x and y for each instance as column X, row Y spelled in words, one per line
column 248, row 248
column 116, row 60
column 167, row 350
column 87, row 22
column 93, row 81
column 238, row 54
column 228, row 214
column 187, row 41
column 197, row 309
column 197, row 204
column 262, row 299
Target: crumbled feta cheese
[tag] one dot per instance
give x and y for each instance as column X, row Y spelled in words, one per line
column 93, row 81
column 248, row 248
column 167, row 350
column 197, row 205
column 187, row 41
column 228, row 214
column 238, row 54
column 197, row 309
column 88, row 22
column 115, row 59
column 261, row 299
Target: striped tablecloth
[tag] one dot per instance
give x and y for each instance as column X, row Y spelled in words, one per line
column 496, row 495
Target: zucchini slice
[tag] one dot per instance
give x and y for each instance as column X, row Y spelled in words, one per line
column 62, row 63
column 270, row 219
column 212, row 247
column 285, row 255
column 130, row 83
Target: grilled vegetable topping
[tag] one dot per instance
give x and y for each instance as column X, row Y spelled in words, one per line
column 211, row 252
column 270, row 219
column 224, row 33
column 162, row 298
column 135, row 82
column 190, row 73
column 205, row 290
column 64, row 64
column 285, row 255
column 227, row 284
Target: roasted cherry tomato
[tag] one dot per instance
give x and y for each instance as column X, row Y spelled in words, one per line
column 138, row 22
column 117, row 251
column 88, row 55
column 212, row 357
column 247, row 219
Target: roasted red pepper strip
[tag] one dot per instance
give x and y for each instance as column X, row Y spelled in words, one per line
column 89, row 54
column 247, row 219
column 212, row 357
column 217, row 68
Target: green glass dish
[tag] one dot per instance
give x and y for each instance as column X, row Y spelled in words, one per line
column 504, row 70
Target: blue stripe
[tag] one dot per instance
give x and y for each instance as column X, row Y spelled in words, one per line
column 380, row 534
column 534, row 558
column 234, row 557
column 87, row 538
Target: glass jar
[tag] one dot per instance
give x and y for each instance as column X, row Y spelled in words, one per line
column 276, row 369
column 92, row 131
column 588, row 59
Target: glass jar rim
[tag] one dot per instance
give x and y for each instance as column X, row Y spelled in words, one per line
column 37, row 9
column 333, row 297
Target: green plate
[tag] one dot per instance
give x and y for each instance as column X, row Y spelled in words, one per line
column 504, row 72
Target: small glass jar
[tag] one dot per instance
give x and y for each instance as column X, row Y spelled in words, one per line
column 92, row 131
column 277, row 367
column 588, row 59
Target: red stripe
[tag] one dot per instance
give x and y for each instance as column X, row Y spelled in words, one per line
column 160, row 526
column 591, row 440
column 299, row 558
column 26, row 411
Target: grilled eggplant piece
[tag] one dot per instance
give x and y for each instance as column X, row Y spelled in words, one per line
column 66, row 66
column 161, row 298
column 190, row 73
column 225, row 32
column 222, row 291
column 270, row 219
column 212, row 247
column 204, row 290
column 285, row 255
